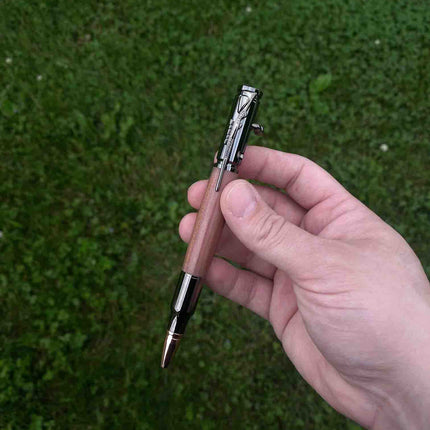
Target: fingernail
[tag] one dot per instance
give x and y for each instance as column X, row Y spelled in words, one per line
column 241, row 199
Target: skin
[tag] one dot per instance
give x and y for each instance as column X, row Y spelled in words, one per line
column 344, row 292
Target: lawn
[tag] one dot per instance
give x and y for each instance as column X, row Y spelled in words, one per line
column 108, row 112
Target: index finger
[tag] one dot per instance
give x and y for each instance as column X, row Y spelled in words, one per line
column 304, row 181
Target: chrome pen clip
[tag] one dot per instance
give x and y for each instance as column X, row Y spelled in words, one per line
column 233, row 146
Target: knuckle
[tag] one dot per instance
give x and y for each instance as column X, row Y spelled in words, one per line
column 268, row 232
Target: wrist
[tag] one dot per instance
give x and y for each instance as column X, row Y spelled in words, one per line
column 411, row 414
column 406, row 407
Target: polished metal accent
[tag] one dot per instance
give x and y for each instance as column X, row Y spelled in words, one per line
column 231, row 150
column 171, row 344
column 184, row 301
column 258, row 129
column 183, row 305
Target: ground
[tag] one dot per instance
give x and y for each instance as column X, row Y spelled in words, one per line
column 108, row 112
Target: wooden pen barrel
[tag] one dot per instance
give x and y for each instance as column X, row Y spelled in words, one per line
column 208, row 227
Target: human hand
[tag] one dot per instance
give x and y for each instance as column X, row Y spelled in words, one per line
column 344, row 292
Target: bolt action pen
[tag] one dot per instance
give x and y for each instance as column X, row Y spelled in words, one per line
column 209, row 223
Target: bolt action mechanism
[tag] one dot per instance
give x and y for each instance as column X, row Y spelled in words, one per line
column 232, row 148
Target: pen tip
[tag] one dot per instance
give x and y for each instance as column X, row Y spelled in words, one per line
column 170, row 346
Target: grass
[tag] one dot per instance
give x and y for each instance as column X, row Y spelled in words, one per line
column 108, row 111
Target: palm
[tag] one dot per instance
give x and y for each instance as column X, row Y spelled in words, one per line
column 296, row 312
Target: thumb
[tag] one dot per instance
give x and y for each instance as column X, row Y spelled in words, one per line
column 269, row 234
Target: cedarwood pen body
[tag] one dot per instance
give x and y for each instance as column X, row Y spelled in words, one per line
column 209, row 222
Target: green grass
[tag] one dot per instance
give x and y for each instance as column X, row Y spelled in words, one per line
column 96, row 157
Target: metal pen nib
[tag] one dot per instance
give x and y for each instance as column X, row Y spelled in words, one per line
column 170, row 346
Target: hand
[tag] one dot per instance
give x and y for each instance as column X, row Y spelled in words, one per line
column 346, row 295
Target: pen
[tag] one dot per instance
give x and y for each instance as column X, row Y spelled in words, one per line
column 209, row 222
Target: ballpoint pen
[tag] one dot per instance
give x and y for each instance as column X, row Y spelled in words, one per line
column 209, row 222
